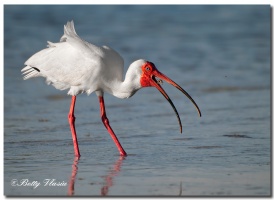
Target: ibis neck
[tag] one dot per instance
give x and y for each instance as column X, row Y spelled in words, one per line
column 131, row 84
column 128, row 87
column 124, row 89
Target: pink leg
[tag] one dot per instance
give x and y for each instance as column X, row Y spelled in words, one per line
column 106, row 123
column 71, row 120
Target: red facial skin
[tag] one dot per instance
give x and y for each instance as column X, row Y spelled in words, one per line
column 148, row 69
column 148, row 79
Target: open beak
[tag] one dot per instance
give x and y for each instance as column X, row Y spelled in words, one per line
column 154, row 82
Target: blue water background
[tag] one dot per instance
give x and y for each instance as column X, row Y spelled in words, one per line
column 219, row 54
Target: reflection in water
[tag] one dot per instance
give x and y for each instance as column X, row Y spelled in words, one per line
column 108, row 178
column 181, row 189
column 73, row 176
column 113, row 172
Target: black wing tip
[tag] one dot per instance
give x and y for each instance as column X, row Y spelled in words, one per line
column 36, row 69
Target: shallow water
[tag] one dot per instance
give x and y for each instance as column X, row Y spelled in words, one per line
column 219, row 54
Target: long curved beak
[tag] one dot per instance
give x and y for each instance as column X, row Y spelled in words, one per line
column 154, row 82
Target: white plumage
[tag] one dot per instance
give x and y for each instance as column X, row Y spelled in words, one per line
column 79, row 66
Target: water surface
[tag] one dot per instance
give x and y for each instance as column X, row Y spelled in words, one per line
column 219, row 54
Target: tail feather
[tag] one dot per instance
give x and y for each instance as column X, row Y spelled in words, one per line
column 26, row 68
column 30, row 72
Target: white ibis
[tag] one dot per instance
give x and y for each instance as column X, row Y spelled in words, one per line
column 79, row 66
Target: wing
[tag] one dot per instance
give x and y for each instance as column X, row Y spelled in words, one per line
column 63, row 66
column 74, row 63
